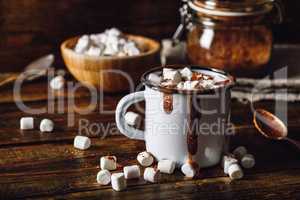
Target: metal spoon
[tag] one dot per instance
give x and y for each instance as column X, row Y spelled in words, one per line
column 34, row 70
column 271, row 126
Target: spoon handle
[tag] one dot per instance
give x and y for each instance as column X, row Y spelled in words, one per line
column 294, row 142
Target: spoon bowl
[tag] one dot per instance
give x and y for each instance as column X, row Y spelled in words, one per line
column 271, row 126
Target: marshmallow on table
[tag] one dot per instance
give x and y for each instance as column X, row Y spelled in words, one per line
column 151, row 175
column 145, row 159
column 131, row 172
column 239, row 152
column 46, row 125
column 171, row 74
column 235, row 172
column 26, row 123
column 82, row 142
column 227, row 161
column 108, row 162
column 132, row 118
column 103, row 177
column 166, row 166
column 188, row 170
column 248, row 161
column 186, row 73
column 154, row 78
column 118, row 181
column 57, row 82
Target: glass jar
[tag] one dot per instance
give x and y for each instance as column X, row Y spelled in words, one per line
column 234, row 36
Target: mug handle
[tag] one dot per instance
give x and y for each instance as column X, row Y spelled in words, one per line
column 121, row 109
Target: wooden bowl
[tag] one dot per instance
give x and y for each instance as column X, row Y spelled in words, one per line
column 111, row 73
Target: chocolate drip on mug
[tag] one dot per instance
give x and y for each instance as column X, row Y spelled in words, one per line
column 192, row 137
column 168, row 103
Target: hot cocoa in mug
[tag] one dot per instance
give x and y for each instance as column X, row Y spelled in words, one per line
column 187, row 113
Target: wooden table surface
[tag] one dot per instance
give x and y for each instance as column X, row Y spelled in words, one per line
column 36, row 165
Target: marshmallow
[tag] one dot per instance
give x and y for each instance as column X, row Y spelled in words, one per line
column 110, row 43
column 46, row 125
column 208, row 84
column 239, row 152
column 113, row 32
column 186, row 73
column 235, row 172
column 82, row 142
column 118, row 181
column 188, row 170
column 110, row 51
column 133, row 119
column 151, row 175
column 154, row 78
column 130, row 49
column 190, row 85
column 227, row 161
column 82, row 44
column 103, row 177
column 26, row 123
column 166, row 166
column 145, row 159
column 168, row 84
column 57, row 83
column 132, row 172
column 172, row 75
column 108, row 162
column 94, row 51
column 248, row 161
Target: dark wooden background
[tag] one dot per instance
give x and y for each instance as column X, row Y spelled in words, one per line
column 32, row 28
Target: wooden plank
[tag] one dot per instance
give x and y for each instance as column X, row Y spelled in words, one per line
column 52, row 169
column 259, row 186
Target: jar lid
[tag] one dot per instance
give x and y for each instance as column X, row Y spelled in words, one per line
column 230, row 8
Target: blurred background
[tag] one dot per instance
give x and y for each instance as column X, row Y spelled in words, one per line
column 32, row 28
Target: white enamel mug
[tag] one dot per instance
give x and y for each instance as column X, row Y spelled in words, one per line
column 165, row 133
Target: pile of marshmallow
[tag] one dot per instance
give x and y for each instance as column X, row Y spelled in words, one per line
column 184, row 79
column 111, row 42
column 231, row 162
column 145, row 159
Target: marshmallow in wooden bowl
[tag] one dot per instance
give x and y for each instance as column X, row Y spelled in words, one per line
column 119, row 59
column 111, row 42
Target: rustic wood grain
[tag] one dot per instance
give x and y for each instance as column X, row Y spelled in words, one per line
column 264, row 187
column 38, row 27
column 36, row 165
